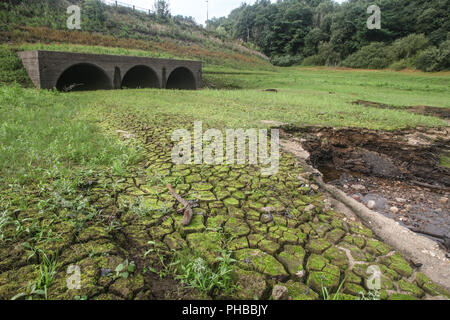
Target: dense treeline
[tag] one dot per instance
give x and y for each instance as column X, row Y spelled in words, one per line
column 414, row 33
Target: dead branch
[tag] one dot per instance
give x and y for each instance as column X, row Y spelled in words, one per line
column 188, row 213
column 429, row 186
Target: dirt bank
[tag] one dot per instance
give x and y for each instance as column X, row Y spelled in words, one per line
column 399, row 174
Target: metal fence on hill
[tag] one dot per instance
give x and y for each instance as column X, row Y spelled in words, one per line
column 121, row 4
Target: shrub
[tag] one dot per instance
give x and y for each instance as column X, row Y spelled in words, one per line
column 432, row 60
column 408, row 47
column 326, row 56
column 286, row 60
column 314, row 60
column 11, row 68
column 373, row 56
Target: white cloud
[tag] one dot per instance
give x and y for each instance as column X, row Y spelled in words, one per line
column 196, row 8
column 193, row 8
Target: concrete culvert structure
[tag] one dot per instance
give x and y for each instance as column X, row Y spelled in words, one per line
column 182, row 79
column 140, row 77
column 70, row 71
column 83, row 77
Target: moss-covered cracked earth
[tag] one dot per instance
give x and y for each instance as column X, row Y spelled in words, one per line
column 279, row 229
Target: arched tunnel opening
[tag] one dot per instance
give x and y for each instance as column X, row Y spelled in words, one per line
column 182, row 79
column 83, row 77
column 140, row 77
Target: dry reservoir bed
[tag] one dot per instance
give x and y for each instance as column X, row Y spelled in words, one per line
column 281, row 232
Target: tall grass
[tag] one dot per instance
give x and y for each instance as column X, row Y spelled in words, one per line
column 42, row 135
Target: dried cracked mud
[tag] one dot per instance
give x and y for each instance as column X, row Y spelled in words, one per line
column 279, row 228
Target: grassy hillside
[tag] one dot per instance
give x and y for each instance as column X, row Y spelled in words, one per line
column 174, row 37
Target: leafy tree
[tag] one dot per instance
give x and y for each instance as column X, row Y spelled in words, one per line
column 162, row 9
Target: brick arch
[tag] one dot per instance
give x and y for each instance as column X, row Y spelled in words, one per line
column 141, row 76
column 82, row 77
column 181, row 78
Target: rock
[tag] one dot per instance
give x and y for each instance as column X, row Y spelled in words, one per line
column 105, row 272
column 394, row 210
column 356, row 197
column 400, row 200
column 266, row 218
column 408, row 207
column 311, row 207
column 250, row 285
column 359, row 187
column 371, row 205
column 300, row 274
column 444, row 200
column 280, row 293
column 315, row 187
column 269, row 209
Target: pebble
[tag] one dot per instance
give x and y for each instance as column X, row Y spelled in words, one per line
column 409, row 207
column 311, row 207
column 300, row 274
column 266, row 218
column 400, row 200
column 315, row 187
column 105, row 272
column 358, row 187
column 356, row 197
column 371, row 205
column 444, row 200
column 394, row 210
column 280, row 293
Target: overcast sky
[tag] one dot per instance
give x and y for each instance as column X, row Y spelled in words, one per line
column 196, row 8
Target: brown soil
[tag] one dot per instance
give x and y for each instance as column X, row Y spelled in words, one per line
column 443, row 113
column 398, row 169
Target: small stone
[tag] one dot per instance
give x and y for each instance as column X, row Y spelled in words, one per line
column 371, row 205
column 345, row 186
column 311, row 207
column 444, row 200
column 408, row 207
column 394, row 210
column 315, row 187
column 359, row 187
column 280, row 293
column 400, row 200
column 266, row 218
column 300, row 274
column 269, row 209
column 105, row 272
column 357, row 197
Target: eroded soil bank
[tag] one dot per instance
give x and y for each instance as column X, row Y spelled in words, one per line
column 402, row 174
column 443, row 113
